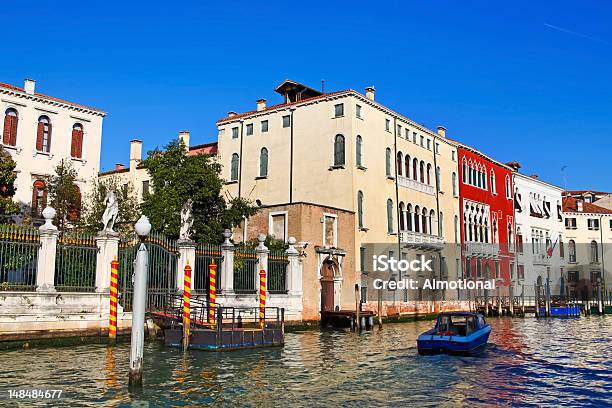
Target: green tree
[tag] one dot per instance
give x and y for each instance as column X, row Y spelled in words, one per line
column 177, row 177
column 65, row 195
column 7, row 184
column 94, row 205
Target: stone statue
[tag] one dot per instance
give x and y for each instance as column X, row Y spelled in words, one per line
column 186, row 220
column 110, row 213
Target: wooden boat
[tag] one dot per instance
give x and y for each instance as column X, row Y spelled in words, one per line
column 462, row 333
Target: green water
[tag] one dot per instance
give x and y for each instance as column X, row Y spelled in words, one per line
column 529, row 362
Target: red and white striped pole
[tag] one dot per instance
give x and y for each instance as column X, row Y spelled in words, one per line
column 262, row 297
column 212, row 291
column 112, row 319
column 186, row 307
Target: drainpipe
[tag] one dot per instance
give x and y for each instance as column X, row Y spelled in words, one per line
column 240, row 159
column 291, row 158
column 438, row 201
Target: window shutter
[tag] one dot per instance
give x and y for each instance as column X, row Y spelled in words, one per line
column 39, row 136
column 49, row 139
column 6, row 134
column 13, row 138
column 80, row 147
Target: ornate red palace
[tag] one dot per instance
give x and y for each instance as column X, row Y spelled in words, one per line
column 486, row 208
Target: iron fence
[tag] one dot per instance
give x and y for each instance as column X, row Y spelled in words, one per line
column 205, row 254
column 161, row 279
column 245, row 269
column 277, row 271
column 75, row 262
column 19, row 246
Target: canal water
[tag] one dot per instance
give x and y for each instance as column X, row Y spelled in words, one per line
column 529, row 362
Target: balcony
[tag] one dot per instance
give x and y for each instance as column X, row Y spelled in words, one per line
column 541, row 259
column 415, row 185
column 481, row 249
column 419, row 240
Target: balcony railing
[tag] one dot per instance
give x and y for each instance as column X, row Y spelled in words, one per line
column 541, row 259
column 415, row 185
column 481, row 249
column 419, row 239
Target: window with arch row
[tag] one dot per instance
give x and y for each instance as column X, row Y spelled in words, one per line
column 417, row 219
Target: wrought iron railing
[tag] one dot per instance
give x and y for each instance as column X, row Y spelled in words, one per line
column 205, row 254
column 277, row 271
column 245, row 269
column 75, row 262
column 19, row 246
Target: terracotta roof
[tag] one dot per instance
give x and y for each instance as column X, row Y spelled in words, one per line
column 53, row 98
column 206, row 148
column 572, row 192
column 570, row 204
column 113, row 171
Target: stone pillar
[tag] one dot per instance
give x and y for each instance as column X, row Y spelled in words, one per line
column 186, row 248
column 262, row 257
column 294, row 269
column 108, row 249
column 227, row 270
column 45, row 274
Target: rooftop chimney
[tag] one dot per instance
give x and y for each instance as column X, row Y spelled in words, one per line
column 515, row 166
column 442, row 131
column 119, row 166
column 135, row 152
column 579, row 205
column 29, row 85
column 535, row 176
column 370, row 92
column 231, row 114
column 261, row 104
column 184, row 137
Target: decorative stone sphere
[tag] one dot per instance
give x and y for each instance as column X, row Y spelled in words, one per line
column 261, row 237
column 49, row 213
column 292, row 241
column 143, row 227
column 227, row 234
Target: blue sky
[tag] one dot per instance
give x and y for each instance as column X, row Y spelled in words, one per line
column 526, row 81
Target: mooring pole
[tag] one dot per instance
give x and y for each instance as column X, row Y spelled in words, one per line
column 112, row 317
column 600, row 308
column 262, row 297
column 187, row 307
column 141, row 268
column 380, row 324
column 357, row 301
column 212, row 292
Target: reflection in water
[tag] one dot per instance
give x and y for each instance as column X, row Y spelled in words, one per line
column 529, row 362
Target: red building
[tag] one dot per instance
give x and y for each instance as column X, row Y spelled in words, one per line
column 487, row 211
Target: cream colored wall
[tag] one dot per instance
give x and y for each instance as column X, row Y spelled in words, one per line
column 33, row 165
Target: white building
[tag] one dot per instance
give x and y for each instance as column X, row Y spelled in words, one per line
column 39, row 131
column 540, row 243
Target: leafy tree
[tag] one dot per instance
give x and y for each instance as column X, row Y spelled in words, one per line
column 7, row 184
column 65, row 195
column 177, row 177
column 94, row 205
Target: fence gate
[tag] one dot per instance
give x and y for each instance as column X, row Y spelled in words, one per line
column 161, row 280
column 19, row 246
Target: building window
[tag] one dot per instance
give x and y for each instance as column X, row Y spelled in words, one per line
column 235, row 133
column 561, row 247
column 358, row 111
column 339, row 110
column 390, row 227
column 456, row 229
column 508, row 188
column 497, row 271
column 263, row 162
column 493, row 186
column 9, row 135
column 520, row 272
column 145, row 189
column 454, row 179
column 360, row 209
column 594, row 252
column 422, row 141
column 593, row 224
column 249, row 129
column 571, row 247
column 339, row 150
column 570, row 223
column 388, row 162
column 359, row 151
column 441, row 224
column 286, row 121
column 519, row 241
column 234, row 167
column 39, row 198
column 362, row 259
column 399, row 130
column 398, row 163
column 428, row 144
column 43, row 137
column 437, row 148
column 277, row 225
column 76, row 146
column 388, row 125
column 264, row 126
column 453, row 155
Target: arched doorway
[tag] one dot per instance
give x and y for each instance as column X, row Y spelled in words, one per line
column 329, row 270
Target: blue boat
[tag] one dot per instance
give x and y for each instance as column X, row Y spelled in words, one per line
column 462, row 333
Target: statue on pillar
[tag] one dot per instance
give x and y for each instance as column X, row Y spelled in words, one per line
column 186, row 220
column 111, row 212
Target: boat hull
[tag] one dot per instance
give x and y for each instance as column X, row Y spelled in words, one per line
column 473, row 344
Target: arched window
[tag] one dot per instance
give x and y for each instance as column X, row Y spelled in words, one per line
column 407, row 166
column 454, row 181
column 409, row 217
column 359, row 151
column 339, row 150
column 388, row 162
column 415, row 165
column 422, row 171
column 263, row 162
column 493, row 188
column 398, row 164
column 571, row 247
column 390, row 227
column 43, row 136
column 234, row 167
column 486, row 231
column 401, row 216
column 9, row 135
column 428, row 174
column 440, row 223
column 508, row 189
column 594, row 252
column 494, row 237
column 360, row 208
column 464, row 171
column 417, row 221
column 76, row 146
column 424, row 221
column 470, row 175
column 456, row 226
column 484, row 178
column 510, row 238
column 438, row 179
column 39, row 198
